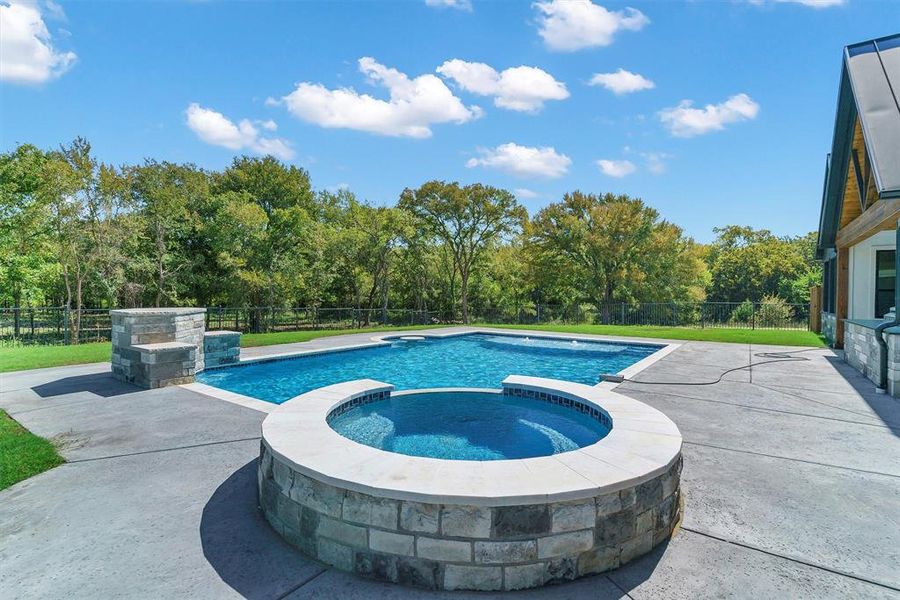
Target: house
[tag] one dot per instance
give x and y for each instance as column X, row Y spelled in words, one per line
column 858, row 225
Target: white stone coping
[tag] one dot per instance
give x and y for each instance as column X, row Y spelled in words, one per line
column 154, row 312
column 642, row 444
column 220, row 332
column 163, row 347
column 386, row 338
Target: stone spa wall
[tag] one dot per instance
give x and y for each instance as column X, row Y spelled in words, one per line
column 862, row 352
column 460, row 547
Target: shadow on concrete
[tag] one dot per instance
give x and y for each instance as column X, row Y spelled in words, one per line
column 886, row 407
column 632, row 575
column 101, row 384
column 241, row 546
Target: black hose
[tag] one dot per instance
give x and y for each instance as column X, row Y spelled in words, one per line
column 776, row 357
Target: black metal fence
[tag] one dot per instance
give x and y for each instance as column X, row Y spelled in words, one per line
column 59, row 325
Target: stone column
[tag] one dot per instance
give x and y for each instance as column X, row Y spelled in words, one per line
column 156, row 347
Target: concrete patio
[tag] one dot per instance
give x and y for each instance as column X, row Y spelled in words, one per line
column 791, row 482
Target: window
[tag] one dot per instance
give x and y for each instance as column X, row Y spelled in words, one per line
column 885, row 276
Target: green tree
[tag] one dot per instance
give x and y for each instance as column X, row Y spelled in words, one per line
column 467, row 220
column 614, row 248
column 747, row 264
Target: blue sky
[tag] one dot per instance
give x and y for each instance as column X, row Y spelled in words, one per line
column 734, row 129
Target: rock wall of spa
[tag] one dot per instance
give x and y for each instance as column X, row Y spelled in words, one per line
column 460, row 547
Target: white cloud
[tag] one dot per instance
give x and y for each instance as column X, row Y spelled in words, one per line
column 568, row 25
column 815, row 3
column 523, row 161
column 465, row 5
column 27, row 54
column 616, row 168
column 656, row 161
column 519, row 88
column 525, row 193
column 810, row 3
column 622, row 82
column 685, row 121
column 414, row 105
column 216, row 129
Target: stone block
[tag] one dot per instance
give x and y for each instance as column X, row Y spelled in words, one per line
column 572, row 516
column 283, row 475
column 598, row 560
column 505, row 552
column 419, row 517
column 513, row 521
column 637, row 546
column 463, row 577
column 608, row 504
column 376, row 566
column 560, row 570
column 645, row 521
column 565, row 544
column 392, row 543
column 466, row 521
column 520, row 577
column 616, row 527
column 362, row 508
column 417, row 572
column 350, row 535
column 648, row 494
column 318, row 496
column 443, row 550
column 335, row 554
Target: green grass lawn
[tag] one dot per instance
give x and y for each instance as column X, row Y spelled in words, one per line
column 775, row 337
column 248, row 340
column 22, row 454
column 35, row 357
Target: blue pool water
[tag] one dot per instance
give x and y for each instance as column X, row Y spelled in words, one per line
column 468, row 426
column 476, row 360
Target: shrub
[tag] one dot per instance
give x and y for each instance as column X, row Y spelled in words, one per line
column 743, row 313
column 773, row 312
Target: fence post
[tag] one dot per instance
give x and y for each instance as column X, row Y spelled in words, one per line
column 66, row 325
column 753, row 316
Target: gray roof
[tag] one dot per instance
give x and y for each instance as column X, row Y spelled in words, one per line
column 870, row 90
column 874, row 69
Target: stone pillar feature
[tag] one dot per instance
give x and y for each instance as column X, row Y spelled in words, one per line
column 157, row 347
column 221, row 348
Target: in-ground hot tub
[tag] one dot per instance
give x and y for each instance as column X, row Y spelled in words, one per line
column 455, row 523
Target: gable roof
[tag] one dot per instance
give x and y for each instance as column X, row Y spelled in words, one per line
column 870, row 91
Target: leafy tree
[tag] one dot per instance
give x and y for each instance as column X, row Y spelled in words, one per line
column 614, row 248
column 26, row 261
column 467, row 220
column 747, row 263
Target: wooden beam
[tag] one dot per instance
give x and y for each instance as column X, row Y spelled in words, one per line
column 860, row 180
column 843, row 293
column 880, row 216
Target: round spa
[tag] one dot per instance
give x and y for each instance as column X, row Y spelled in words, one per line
column 541, row 482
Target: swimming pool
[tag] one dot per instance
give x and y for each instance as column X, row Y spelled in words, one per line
column 475, row 360
column 457, row 425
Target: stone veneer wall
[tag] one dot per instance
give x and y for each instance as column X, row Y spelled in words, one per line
column 221, row 348
column 862, row 352
column 156, row 347
column 462, row 547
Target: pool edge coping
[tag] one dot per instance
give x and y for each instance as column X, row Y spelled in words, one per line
column 298, row 433
column 664, row 349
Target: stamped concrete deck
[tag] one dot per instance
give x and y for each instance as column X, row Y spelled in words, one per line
column 791, row 481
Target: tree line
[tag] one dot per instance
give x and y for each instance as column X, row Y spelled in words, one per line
column 79, row 233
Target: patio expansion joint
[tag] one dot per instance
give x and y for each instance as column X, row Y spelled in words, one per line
column 157, row 451
column 793, row 559
column 801, row 460
column 302, row 583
